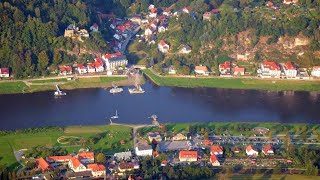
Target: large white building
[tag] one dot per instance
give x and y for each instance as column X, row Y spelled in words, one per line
column 76, row 165
column 114, row 60
column 289, row 70
column 315, row 71
column 270, row 69
column 145, row 150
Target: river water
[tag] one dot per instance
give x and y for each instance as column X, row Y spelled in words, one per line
column 171, row 104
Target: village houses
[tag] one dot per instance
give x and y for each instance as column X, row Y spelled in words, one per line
column 315, row 71
column 163, row 47
column 65, row 70
column 269, row 69
column 201, row 70
column 4, row 72
column 268, row 150
column 251, row 151
column 94, row 27
column 185, row 49
column 188, row 156
column 143, row 150
column 81, row 69
column 114, row 60
column 154, row 136
column 179, row 137
column 97, row 170
column 75, row 165
column 225, row 68
column 214, row 160
column 289, row 70
column 216, row 150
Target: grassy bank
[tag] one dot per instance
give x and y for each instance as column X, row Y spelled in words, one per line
column 49, row 84
column 107, row 139
column 235, row 83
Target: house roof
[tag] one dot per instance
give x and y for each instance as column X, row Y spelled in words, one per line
column 201, row 68
column 4, row 70
column 316, row 68
column 270, row 65
column 144, row 147
column 162, row 43
column 81, row 66
column 207, row 14
column 269, row 3
column 124, row 165
column 238, row 69
column 43, row 164
column 95, row 25
column 86, row 155
column 188, row 8
column 107, row 56
column 96, row 167
column 65, row 68
column 289, row 66
column 153, row 10
column 216, row 148
column 215, row 11
column 267, row 148
column 58, row 158
column 250, row 147
column 75, row 162
column 188, row 154
column 225, row 65
column 213, row 158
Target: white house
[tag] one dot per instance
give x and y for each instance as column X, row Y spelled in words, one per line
column 97, row 170
column 98, row 64
column 251, row 151
column 94, row 27
column 81, row 69
column 148, row 31
column 186, row 9
column 268, row 150
column 163, row 47
column 114, row 60
column 143, row 150
column 75, row 165
column 91, row 68
column 86, row 157
column 4, row 72
column 315, row 71
column 123, row 155
column 270, row 69
column 162, row 28
column 225, row 68
column 153, row 12
column 289, row 70
column 185, row 49
column 214, row 160
column 172, row 70
column 201, row 70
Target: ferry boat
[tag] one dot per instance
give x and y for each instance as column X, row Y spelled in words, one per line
column 115, row 89
column 136, row 90
column 58, row 92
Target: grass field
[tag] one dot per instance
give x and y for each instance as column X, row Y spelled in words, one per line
column 46, row 85
column 235, row 83
column 269, row 177
column 109, row 142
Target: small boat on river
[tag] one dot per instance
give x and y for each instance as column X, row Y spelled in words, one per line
column 58, row 92
column 115, row 89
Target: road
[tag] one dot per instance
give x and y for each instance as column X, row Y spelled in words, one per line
column 18, row 155
column 125, row 43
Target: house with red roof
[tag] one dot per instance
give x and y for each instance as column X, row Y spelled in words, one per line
column 4, row 72
column 114, row 60
column 98, row 64
column 149, row 31
column 268, row 150
column 98, row 170
column 225, row 68
column 290, row 1
column 58, row 159
column 216, row 150
column 289, row 70
column 65, row 70
column 269, row 69
column 215, row 11
column 164, row 163
column 94, row 27
column 315, row 71
column 214, row 160
column 167, row 12
column 238, row 71
column 43, row 165
column 86, row 157
column 75, row 165
column 91, row 68
column 81, row 69
column 252, row 151
column 163, row 27
column 153, row 12
column 186, row 9
column 201, row 70
column 188, row 156
column 163, row 47
column 269, row 4
column 207, row 16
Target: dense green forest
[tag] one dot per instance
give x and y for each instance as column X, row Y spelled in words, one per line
column 31, row 34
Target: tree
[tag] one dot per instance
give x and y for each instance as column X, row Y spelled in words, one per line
column 101, row 158
column 57, row 57
column 43, row 62
column 29, row 66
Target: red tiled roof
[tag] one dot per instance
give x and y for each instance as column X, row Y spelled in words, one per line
column 187, row 8
column 65, row 68
column 58, row 158
column 289, row 66
column 75, row 161
column 188, row 154
column 124, row 165
column 153, row 10
column 271, row 65
column 81, row 66
column 108, row 56
column 316, row 67
column 215, row 11
column 4, row 70
column 213, row 158
column 238, row 69
column 91, row 65
column 249, row 148
column 86, row 155
column 42, row 164
column 95, row 25
column 269, row 3
column 162, row 43
column 201, row 68
column 216, row 148
column 225, row 65
column 207, row 14
column 267, row 148
column 96, row 167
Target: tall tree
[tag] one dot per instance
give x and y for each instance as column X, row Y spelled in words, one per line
column 43, row 62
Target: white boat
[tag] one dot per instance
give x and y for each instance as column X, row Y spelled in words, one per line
column 115, row 89
column 116, row 116
column 58, row 92
column 136, row 90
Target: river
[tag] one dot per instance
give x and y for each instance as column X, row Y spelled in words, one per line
column 171, row 104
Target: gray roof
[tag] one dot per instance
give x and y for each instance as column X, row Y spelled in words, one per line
column 123, row 155
column 144, row 147
column 79, row 174
column 118, row 58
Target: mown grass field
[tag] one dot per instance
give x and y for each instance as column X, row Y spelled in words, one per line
column 235, row 83
column 46, row 85
column 108, row 143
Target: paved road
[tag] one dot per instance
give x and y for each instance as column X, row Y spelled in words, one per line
column 125, row 43
column 18, row 155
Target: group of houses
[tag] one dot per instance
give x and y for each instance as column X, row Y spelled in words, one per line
column 228, row 68
column 73, row 31
column 108, row 62
column 81, row 165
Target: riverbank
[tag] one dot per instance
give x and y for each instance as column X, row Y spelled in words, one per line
column 234, row 83
column 48, row 84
